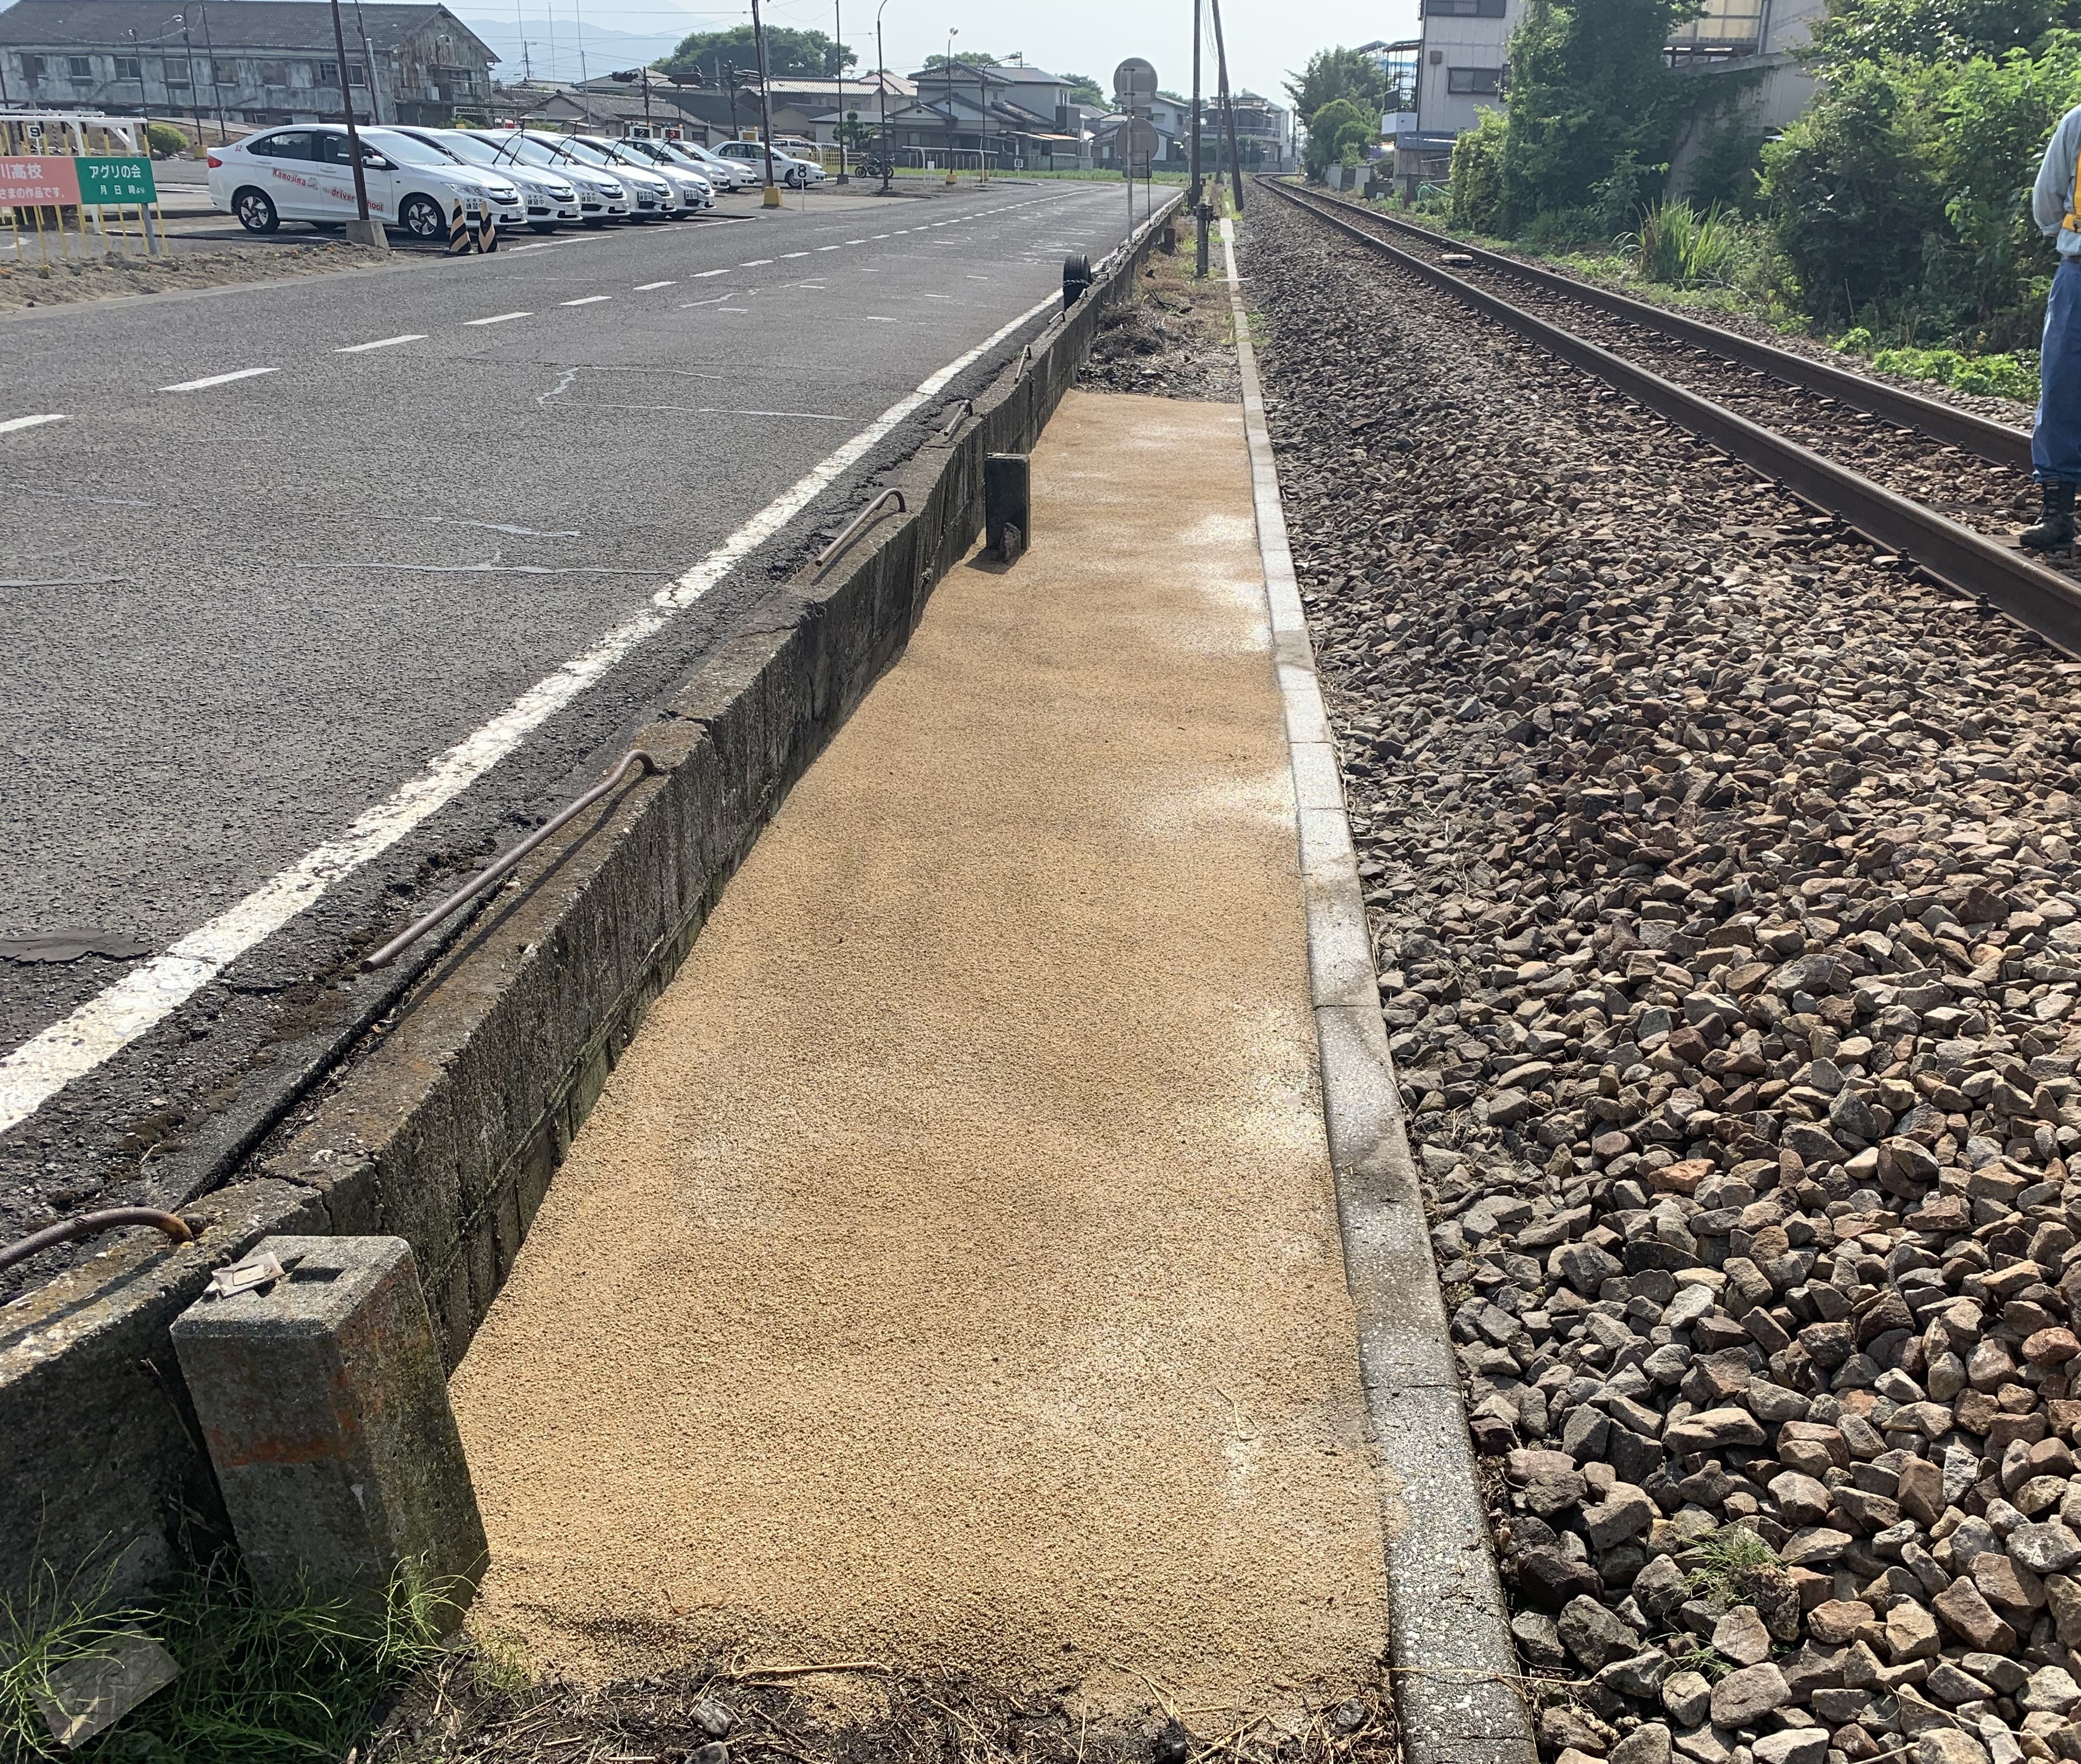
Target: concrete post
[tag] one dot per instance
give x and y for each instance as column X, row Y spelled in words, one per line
column 1007, row 504
column 321, row 1394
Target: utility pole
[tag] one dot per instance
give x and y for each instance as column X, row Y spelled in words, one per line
column 368, row 50
column 947, row 73
column 215, row 91
column 728, row 75
column 1228, row 108
column 195, row 96
column 361, row 230
column 1196, row 198
column 838, row 55
column 771, row 198
column 881, row 80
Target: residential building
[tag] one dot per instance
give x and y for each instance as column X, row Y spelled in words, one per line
column 1751, row 49
column 245, row 62
column 1010, row 114
column 1264, row 133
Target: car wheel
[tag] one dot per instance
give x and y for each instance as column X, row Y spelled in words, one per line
column 421, row 217
column 255, row 211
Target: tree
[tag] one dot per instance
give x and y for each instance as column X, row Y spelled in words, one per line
column 789, row 54
column 1083, row 89
column 1592, row 104
column 968, row 58
column 1338, row 129
column 1336, row 73
column 1861, row 31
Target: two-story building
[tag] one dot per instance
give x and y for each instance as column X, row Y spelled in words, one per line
column 1009, row 114
column 243, row 63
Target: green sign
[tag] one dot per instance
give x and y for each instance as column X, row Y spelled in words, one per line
column 110, row 183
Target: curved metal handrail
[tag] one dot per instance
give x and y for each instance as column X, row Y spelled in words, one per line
column 483, row 880
column 89, row 1224
column 963, row 408
column 860, row 521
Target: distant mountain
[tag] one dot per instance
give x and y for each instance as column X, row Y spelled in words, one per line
column 553, row 42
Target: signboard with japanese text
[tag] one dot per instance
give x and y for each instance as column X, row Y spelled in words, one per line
column 47, row 180
column 112, row 183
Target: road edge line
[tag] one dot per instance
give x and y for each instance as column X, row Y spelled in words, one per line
column 1456, row 1669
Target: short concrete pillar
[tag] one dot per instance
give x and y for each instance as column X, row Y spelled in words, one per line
column 369, row 233
column 1007, row 504
column 321, row 1397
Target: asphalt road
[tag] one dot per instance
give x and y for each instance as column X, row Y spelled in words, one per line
column 241, row 612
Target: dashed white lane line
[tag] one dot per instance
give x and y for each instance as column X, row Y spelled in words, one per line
column 645, row 287
column 151, row 992
column 756, row 263
column 702, row 275
column 733, row 309
column 13, row 423
column 849, row 241
column 498, row 318
column 382, row 342
column 830, row 248
column 784, row 254
column 590, row 299
column 877, row 318
column 218, row 379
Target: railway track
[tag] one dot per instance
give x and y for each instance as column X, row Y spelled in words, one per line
column 1923, row 480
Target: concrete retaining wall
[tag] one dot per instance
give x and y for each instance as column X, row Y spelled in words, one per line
column 449, row 1128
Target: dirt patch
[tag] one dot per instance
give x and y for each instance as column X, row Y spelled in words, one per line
column 61, row 285
column 822, row 1717
column 1174, row 338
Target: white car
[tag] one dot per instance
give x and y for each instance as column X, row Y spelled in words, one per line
column 667, row 158
column 694, row 192
column 304, row 174
column 552, row 200
column 794, row 173
column 601, row 197
column 726, row 175
column 650, row 197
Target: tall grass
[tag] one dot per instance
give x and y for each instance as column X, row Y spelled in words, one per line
column 1677, row 246
column 260, row 1679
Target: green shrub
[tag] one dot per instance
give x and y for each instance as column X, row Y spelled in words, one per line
column 165, row 140
column 1338, row 134
column 1473, row 198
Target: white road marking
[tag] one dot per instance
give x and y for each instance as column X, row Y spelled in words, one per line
column 702, row 275
column 794, row 254
column 645, row 287
column 710, row 301
column 218, row 379
column 850, row 241
column 756, row 263
column 13, row 423
column 590, row 299
column 877, row 318
column 150, row 992
column 828, row 248
column 498, row 318
column 382, row 342
column 733, row 309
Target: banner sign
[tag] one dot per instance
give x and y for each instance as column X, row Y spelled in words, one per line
column 59, row 180
column 115, row 184
column 43, row 182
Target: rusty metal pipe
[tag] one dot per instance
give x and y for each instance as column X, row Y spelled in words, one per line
column 498, row 868
column 89, row 1224
column 963, row 409
column 858, row 524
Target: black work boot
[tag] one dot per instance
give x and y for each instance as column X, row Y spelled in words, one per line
column 2055, row 531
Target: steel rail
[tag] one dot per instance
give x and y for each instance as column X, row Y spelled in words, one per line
column 505, row 862
column 1991, row 440
column 2047, row 603
column 91, row 1223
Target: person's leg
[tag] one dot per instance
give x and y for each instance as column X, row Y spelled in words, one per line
column 2055, row 432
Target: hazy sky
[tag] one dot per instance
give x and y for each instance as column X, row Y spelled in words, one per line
column 1265, row 37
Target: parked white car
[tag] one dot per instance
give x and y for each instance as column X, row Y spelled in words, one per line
column 650, row 197
column 726, row 175
column 793, row 172
column 694, row 192
column 667, row 157
column 303, row 173
column 601, row 197
column 552, row 199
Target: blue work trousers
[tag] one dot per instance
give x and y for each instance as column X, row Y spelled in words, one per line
column 2055, row 432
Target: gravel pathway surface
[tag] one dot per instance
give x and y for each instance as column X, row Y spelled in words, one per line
column 1724, row 906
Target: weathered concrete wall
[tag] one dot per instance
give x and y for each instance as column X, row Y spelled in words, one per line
column 448, row 1130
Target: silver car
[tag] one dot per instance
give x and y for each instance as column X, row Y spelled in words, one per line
column 694, row 193
column 663, row 157
column 651, row 196
column 552, row 200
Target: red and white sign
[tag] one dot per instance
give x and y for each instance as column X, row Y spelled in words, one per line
column 42, row 182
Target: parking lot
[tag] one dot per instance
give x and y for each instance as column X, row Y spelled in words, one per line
column 309, row 536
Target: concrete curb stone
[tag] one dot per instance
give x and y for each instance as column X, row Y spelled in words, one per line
column 1455, row 1668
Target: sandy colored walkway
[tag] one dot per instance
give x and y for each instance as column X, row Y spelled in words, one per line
column 949, row 1275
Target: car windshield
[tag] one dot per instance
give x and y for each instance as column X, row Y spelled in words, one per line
column 476, row 152
column 404, row 149
column 527, row 153
column 585, row 151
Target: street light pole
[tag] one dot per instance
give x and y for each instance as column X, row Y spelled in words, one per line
column 1228, row 108
column 771, row 198
column 837, row 54
column 361, row 230
column 881, row 80
column 946, row 72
